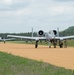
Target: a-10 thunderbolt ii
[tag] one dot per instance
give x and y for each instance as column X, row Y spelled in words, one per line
column 4, row 40
column 51, row 37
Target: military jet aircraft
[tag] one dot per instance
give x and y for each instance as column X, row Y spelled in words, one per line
column 4, row 40
column 51, row 37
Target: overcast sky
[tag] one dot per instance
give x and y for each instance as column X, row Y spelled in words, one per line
column 22, row 15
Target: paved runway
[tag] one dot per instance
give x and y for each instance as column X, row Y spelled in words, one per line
column 60, row 57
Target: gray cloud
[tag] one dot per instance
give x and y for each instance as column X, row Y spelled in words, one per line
column 63, row 0
column 39, row 14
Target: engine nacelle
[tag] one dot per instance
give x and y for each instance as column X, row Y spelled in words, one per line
column 55, row 32
column 41, row 33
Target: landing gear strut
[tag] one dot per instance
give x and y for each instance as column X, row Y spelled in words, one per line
column 49, row 44
column 54, row 43
column 36, row 44
column 61, row 44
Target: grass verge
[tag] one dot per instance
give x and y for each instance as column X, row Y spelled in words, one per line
column 69, row 42
column 15, row 65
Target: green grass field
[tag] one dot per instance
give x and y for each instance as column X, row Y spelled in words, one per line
column 15, row 65
column 70, row 42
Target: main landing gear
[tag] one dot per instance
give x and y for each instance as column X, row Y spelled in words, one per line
column 61, row 44
column 36, row 44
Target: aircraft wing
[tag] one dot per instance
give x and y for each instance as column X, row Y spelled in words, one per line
column 64, row 38
column 7, row 39
column 26, row 37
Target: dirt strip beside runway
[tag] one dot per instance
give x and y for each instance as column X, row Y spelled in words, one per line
column 60, row 57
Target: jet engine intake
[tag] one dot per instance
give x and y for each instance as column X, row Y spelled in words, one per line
column 41, row 33
column 55, row 32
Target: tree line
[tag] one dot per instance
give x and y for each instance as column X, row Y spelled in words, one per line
column 67, row 32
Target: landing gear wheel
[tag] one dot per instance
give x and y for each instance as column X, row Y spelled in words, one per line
column 61, row 45
column 36, row 44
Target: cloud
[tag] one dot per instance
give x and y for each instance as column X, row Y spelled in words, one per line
column 24, row 11
column 35, row 13
column 63, row 0
column 7, row 2
column 12, row 4
column 35, row 8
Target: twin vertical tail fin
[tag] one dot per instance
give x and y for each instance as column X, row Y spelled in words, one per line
column 32, row 32
column 57, row 32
